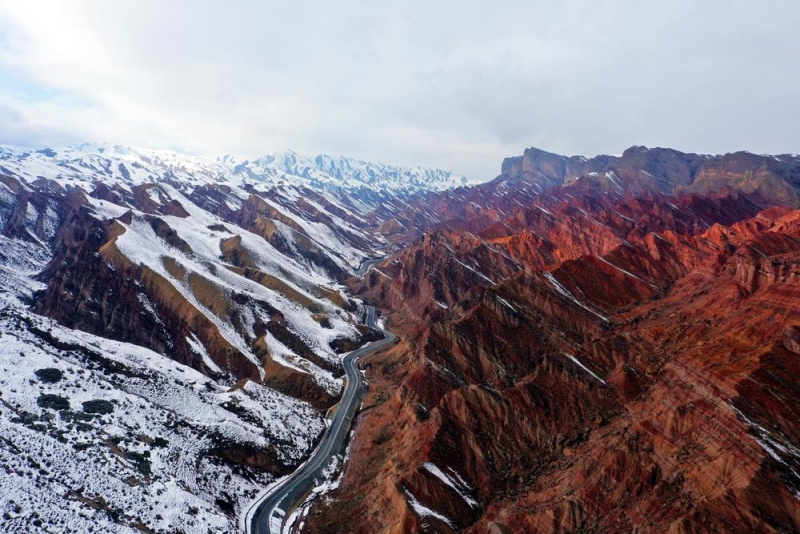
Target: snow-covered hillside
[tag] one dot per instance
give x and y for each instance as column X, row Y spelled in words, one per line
column 97, row 435
column 103, row 436
column 170, row 333
column 86, row 163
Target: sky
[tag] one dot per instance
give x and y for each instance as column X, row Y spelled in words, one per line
column 451, row 84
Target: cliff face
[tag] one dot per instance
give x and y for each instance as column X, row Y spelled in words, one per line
column 588, row 362
column 543, row 167
column 665, row 170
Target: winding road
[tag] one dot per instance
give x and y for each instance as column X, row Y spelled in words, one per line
column 271, row 511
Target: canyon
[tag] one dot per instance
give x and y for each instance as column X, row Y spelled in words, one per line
column 603, row 344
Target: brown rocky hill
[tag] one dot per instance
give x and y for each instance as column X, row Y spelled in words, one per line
column 588, row 362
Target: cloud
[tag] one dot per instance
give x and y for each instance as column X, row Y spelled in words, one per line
column 452, row 84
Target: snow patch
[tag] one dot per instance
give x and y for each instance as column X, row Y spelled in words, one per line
column 505, row 303
column 476, row 272
column 459, row 488
column 564, row 292
column 574, row 359
column 423, row 511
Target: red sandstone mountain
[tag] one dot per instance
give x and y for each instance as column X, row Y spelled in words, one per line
column 538, row 176
column 604, row 361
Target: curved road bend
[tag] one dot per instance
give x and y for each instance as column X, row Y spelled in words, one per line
column 271, row 511
column 367, row 265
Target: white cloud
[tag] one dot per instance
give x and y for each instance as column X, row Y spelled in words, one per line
column 451, row 84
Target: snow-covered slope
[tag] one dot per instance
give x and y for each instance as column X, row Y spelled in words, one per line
column 87, row 163
column 149, row 452
column 106, row 436
column 205, row 315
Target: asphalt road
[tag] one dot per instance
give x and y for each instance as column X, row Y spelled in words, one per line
column 270, row 512
column 367, row 265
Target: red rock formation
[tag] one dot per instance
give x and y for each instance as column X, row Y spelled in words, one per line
column 632, row 366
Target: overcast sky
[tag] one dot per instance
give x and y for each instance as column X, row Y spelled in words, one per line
column 452, row 84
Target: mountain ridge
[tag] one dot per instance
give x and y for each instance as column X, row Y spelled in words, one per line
column 776, row 177
column 82, row 163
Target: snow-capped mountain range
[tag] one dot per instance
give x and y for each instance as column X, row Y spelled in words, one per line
column 74, row 165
